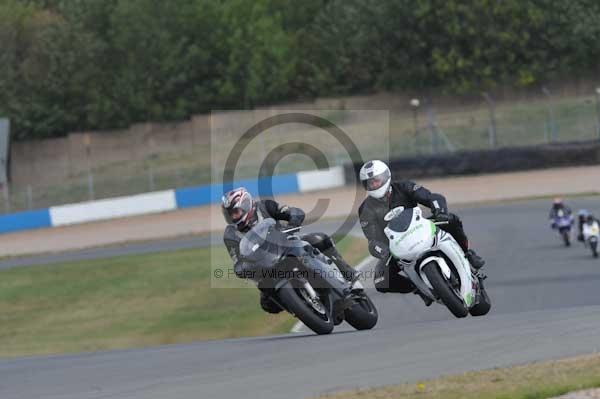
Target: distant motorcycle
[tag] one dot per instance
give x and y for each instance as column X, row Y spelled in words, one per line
column 582, row 216
column 435, row 263
column 304, row 281
column 591, row 234
column 563, row 222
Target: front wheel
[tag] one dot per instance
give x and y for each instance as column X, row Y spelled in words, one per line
column 315, row 316
column 594, row 246
column 444, row 290
column 363, row 314
column 566, row 238
column 483, row 306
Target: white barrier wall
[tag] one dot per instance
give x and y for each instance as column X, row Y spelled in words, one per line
column 321, row 179
column 163, row 201
column 159, row 201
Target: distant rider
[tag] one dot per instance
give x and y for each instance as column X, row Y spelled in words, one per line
column 384, row 195
column 582, row 216
column 242, row 212
column 558, row 210
column 590, row 227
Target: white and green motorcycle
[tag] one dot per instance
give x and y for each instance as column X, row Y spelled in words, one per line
column 435, row 263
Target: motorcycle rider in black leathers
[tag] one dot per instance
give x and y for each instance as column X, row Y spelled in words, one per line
column 582, row 217
column 241, row 213
column 384, row 195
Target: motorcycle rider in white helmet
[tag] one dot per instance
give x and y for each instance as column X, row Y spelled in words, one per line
column 384, row 195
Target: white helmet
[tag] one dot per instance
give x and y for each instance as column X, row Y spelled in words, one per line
column 376, row 178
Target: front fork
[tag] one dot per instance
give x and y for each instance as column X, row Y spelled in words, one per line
column 310, row 291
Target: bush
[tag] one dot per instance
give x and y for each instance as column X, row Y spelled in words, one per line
column 68, row 65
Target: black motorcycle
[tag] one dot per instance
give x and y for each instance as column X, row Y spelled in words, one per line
column 303, row 281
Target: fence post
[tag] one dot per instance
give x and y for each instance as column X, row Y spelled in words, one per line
column 6, row 198
column 492, row 132
column 431, row 123
column 598, row 112
column 91, row 194
column 415, row 104
column 550, row 112
column 29, row 196
column 151, row 177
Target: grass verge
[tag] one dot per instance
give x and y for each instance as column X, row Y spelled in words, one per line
column 353, row 249
column 130, row 301
column 533, row 381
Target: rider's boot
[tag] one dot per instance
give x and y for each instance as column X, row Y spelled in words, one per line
column 267, row 304
column 425, row 299
column 475, row 260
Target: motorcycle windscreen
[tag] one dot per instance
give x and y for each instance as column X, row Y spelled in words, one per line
column 264, row 244
column 402, row 222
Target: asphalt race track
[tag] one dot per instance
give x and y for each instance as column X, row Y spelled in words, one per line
column 546, row 305
column 146, row 247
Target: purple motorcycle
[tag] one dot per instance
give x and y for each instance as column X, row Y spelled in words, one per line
column 563, row 222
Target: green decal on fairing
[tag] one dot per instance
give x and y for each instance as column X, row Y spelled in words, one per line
column 433, row 229
column 409, row 232
column 469, row 299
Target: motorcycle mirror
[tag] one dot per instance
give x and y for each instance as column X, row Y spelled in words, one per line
column 393, row 213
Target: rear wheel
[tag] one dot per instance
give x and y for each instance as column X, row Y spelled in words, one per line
column 363, row 314
column 444, row 290
column 314, row 314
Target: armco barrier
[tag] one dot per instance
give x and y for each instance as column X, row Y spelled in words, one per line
column 493, row 161
column 320, row 179
column 168, row 200
column 25, row 220
column 110, row 208
column 210, row 194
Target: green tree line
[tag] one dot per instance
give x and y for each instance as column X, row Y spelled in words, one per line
column 72, row 65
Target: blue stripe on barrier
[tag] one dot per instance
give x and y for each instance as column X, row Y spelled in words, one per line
column 194, row 196
column 25, row 220
column 210, row 194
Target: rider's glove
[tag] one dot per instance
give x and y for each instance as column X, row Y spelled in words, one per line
column 379, row 250
column 245, row 270
column 440, row 215
column 296, row 217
